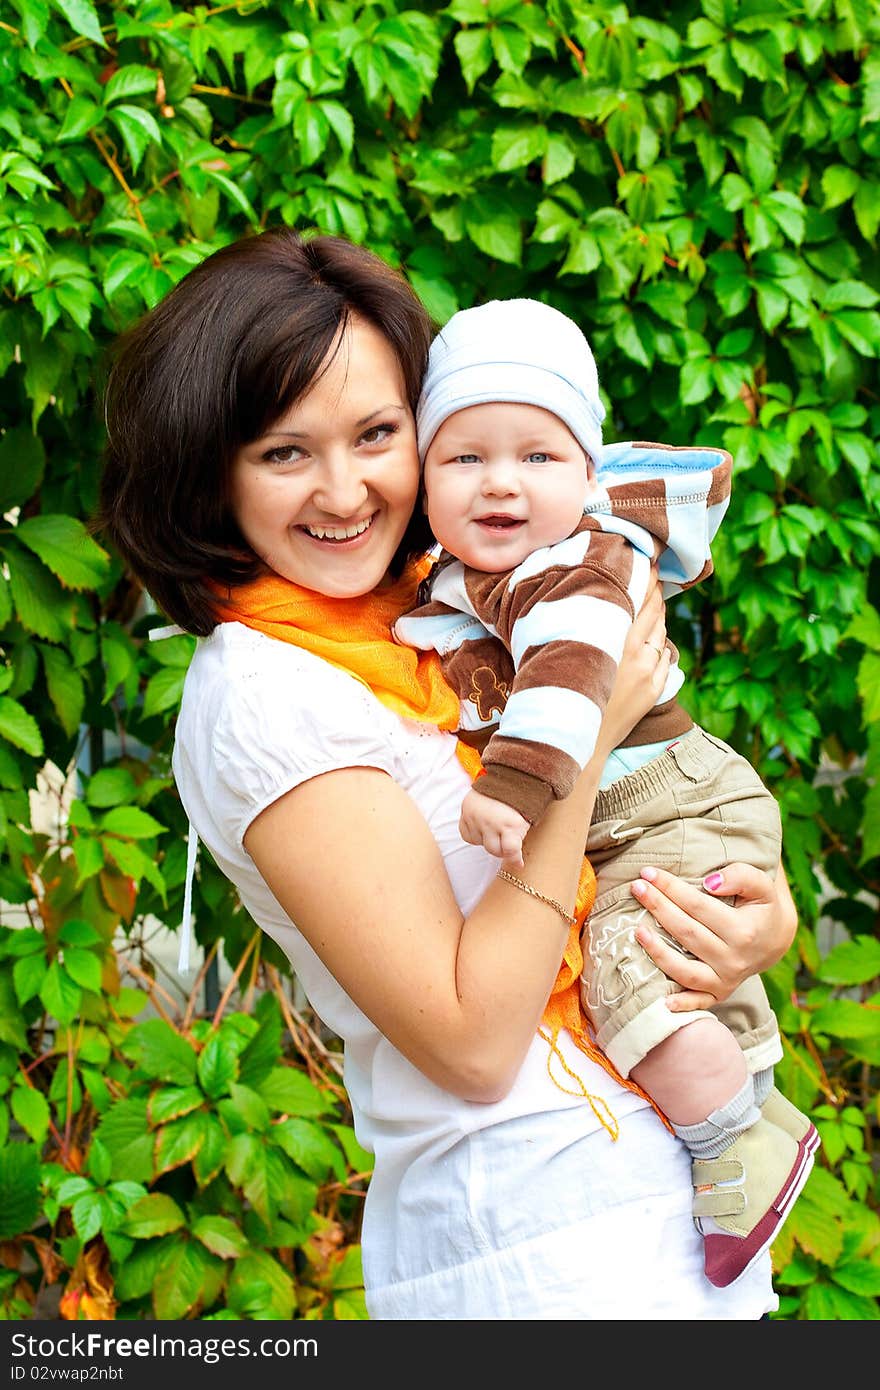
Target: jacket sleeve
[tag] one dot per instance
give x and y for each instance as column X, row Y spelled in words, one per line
column 565, row 629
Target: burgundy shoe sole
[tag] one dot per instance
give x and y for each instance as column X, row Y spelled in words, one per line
column 727, row 1258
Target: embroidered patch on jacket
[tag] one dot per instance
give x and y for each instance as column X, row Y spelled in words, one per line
column 487, row 692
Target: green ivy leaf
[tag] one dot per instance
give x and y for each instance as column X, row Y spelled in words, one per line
column 160, row 1052
column 181, row 1279
column 110, row 786
column 498, row 236
column 310, row 1148
column 84, row 968
column 209, row 1160
column 66, row 548
column 31, row 1111
column 131, row 80
column 131, row 822
column 157, row 1214
column 125, row 1132
column 258, row 1267
column 843, row 1018
column 138, row 129
column 290, row 1091
column 164, row 691
column 221, row 1236
column 89, row 857
column 516, row 146
column 74, row 933
column 22, row 464
column 66, row 688
column 217, row 1065
column 234, row 194
column 19, row 1189
column 82, row 17
column 20, row 728
column 179, row 1141
column 859, row 1277
column 171, row 1102
column 347, row 1271
column 854, row 962
column 79, row 118
column 123, row 266
column 60, row 995
column 28, row 975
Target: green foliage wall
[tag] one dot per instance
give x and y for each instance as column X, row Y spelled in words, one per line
column 699, row 191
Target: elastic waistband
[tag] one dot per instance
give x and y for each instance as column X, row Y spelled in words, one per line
column 645, row 781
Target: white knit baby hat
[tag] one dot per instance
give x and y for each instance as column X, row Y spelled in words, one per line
column 516, row 350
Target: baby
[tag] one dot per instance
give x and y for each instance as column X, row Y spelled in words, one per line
column 548, row 538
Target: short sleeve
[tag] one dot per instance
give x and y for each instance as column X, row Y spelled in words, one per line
column 271, row 717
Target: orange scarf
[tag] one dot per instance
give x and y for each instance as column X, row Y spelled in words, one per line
column 355, row 635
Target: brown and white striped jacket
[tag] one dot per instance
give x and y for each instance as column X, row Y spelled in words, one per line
column 533, row 652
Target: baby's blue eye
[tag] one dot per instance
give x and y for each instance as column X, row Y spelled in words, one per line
column 538, row 457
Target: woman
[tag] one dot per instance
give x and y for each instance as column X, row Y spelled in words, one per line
column 261, row 480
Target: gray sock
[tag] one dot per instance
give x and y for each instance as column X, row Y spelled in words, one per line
column 712, row 1136
column 763, row 1085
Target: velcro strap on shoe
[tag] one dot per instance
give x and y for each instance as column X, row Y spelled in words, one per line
column 707, row 1171
column 729, row 1201
column 717, row 1187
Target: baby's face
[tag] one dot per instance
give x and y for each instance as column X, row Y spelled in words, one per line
column 504, row 480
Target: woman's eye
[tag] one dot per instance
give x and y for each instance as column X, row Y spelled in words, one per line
column 377, row 434
column 285, row 453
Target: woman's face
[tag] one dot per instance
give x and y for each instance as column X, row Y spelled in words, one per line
column 324, row 497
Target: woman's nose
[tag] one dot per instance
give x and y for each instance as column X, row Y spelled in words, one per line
column 342, row 488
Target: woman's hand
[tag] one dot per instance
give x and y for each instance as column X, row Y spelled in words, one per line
column 731, row 940
column 641, row 674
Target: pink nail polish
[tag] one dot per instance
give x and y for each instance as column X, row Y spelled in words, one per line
column 713, row 882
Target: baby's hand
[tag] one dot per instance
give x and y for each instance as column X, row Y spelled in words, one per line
column 498, row 828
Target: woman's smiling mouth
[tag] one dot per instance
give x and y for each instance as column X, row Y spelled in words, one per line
column 338, row 535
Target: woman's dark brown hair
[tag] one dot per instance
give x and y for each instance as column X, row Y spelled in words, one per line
column 227, row 351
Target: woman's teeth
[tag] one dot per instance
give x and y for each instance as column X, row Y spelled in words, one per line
column 339, row 533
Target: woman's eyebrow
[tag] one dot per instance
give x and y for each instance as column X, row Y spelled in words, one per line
column 364, row 420
column 380, row 410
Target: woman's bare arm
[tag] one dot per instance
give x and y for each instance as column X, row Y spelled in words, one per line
column 353, row 863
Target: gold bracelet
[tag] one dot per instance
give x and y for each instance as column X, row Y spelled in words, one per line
column 533, row 893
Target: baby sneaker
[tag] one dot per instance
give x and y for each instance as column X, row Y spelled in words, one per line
column 780, row 1111
column 742, row 1198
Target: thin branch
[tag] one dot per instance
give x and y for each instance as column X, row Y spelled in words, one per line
column 236, row 976
column 154, row 989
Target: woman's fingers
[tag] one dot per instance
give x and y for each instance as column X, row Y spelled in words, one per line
column 739, row 923
column 646, row 640
column 650, row 622
column 705, row 927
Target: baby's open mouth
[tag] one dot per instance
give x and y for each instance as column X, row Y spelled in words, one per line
column 501, row 523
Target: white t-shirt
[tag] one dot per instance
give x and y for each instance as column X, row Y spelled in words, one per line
column 522, row 1209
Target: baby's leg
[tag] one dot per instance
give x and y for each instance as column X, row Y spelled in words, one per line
column 693, row 810
column 695, row 1071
